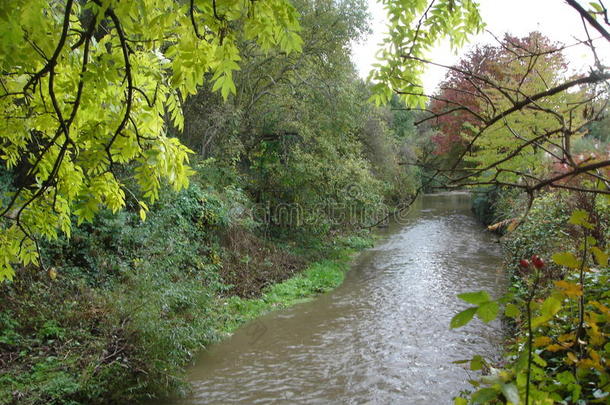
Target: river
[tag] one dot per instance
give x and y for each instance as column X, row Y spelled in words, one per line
column 380, row 338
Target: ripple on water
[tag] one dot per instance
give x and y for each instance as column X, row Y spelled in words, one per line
column 380, row 338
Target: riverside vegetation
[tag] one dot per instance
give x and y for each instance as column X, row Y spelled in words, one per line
column 287, row 172
column 174, row 169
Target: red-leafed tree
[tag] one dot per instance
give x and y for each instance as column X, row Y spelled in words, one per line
column 462, row 100
column 457, row 98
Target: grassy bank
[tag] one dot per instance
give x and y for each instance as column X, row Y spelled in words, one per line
column 318, row 278
column 125, row 305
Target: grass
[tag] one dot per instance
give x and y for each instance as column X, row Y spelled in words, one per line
column 126, row 334
column 318, row 278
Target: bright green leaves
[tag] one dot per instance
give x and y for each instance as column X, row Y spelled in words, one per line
column 223, row 77
column 414, row 28
column 475, row 298
column 486, row 309
column 167, row 159
column 596, row 8
column 463, row 317
column 581, row 218
column 512, row 311
column 81, row 108
column 548, row 309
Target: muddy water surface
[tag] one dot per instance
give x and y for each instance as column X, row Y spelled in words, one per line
column 380, row 338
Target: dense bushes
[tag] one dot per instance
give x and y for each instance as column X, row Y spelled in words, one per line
column 125, row 304
column 558, row 307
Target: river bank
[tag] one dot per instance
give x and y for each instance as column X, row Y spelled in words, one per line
column 126, row 304
column 558, row 299
column 382, row 336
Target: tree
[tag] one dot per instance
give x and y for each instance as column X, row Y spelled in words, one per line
column 482, row 84
column 95, row 96
column 503, row 98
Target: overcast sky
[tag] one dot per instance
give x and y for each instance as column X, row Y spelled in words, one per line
column 554, row 18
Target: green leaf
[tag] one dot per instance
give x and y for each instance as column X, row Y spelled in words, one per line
column 549, row 308
column 601, row 257
column 539, row 360
column 476, row 363
column 512, row 311
column 488, row 311
column 475, row 298
column 511, row 393
column 566, row 259
column 580, row 217
column 463, row 317
column 484, row 395
column 596, row 6
column 460, row 401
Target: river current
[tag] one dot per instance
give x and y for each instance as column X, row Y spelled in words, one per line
column 382, row 337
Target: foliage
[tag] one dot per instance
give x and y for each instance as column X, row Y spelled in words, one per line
column 299, row 133
column 129, row 303
column 483, row 200
column 94, row 96
column 414, row 28
column 560, row 311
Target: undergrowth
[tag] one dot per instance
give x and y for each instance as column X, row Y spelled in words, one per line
column 125, row 305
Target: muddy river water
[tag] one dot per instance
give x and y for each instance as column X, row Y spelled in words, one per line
column 380, row 338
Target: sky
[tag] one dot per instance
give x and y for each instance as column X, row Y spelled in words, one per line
column 554, row 18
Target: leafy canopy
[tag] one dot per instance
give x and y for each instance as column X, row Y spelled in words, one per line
column 414, row 28
column 87, row 89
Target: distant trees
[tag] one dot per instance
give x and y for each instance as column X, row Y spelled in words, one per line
column 486, row 82
column 299, row 130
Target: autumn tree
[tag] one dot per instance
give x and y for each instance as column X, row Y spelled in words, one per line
column 497, row 102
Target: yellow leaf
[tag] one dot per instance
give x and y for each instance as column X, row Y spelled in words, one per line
column 540, row 341
column 602, row 308
column 52, row 273
column 566, row 259
column 571, row 290
column 556, row 347
column 601, row 257
column 572, row 359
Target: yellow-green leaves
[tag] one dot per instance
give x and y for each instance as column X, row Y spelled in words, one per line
column 414, row 28
column 566, row 259
column 475, row 298
column 549, row 308
column 79, row 108
column 601, row 257
column 512, row 311
column 486, row 308
column 580, row 217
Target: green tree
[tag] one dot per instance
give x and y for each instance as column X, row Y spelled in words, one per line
column 94, row 97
